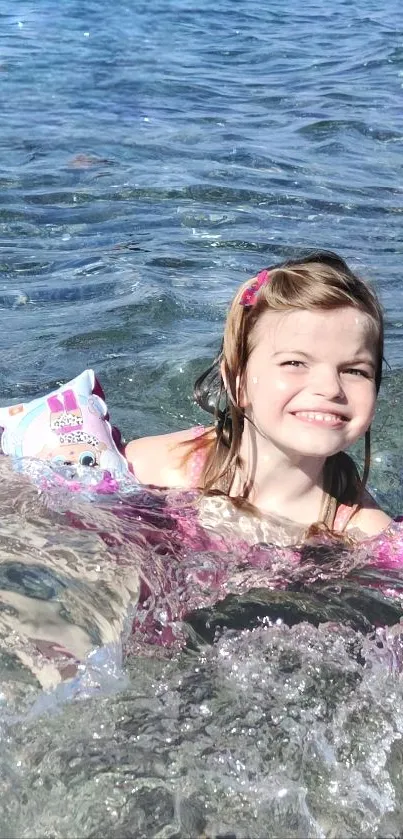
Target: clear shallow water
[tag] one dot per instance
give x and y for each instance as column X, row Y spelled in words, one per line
column 152, row 156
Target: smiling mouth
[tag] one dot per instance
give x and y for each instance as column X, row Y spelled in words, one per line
column 324, row 418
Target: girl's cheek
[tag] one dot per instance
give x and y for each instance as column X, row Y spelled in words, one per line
column 281, row 386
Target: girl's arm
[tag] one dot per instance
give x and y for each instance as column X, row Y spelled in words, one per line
column 159, row 460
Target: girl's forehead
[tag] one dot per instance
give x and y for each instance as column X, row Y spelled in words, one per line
column 346, row 324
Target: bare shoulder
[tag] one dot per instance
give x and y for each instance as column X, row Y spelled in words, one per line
column 370, row 519
column 158, row 460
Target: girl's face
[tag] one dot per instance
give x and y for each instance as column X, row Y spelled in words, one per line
column 310, row 380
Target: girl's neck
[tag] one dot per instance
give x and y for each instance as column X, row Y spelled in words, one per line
column 280, row 484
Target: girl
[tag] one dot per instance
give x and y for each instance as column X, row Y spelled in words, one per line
column 294, row 385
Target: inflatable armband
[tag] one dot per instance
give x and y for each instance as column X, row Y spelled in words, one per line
column 69, row 426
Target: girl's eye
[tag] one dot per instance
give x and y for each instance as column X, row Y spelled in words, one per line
column 293, row 362
column 87, row 459
column 356, row 371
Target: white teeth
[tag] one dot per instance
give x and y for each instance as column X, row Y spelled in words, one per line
column 319, row 417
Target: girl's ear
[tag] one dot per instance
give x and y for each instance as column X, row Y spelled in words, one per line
column 241, row 392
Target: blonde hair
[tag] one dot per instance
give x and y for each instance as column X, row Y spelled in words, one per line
column 319, row 280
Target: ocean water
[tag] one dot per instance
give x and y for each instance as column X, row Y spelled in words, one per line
column 153, row 156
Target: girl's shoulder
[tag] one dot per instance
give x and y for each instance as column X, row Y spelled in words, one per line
column 370, row 519
column 165, row 460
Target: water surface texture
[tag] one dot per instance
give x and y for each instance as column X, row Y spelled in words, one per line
column 152, row 156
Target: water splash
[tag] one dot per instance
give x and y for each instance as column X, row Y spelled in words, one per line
column 275, row 731
column 251, row 721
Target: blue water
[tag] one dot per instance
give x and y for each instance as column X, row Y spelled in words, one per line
column 152, row 156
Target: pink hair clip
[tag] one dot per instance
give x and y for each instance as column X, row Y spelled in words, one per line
column 250, row 294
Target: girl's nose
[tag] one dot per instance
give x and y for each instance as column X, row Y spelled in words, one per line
column 327, row 383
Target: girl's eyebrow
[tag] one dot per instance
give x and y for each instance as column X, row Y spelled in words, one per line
column 367, row 361
column 293, row 352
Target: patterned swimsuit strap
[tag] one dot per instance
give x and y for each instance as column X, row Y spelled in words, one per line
column 197, row 459
column 343, row 513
